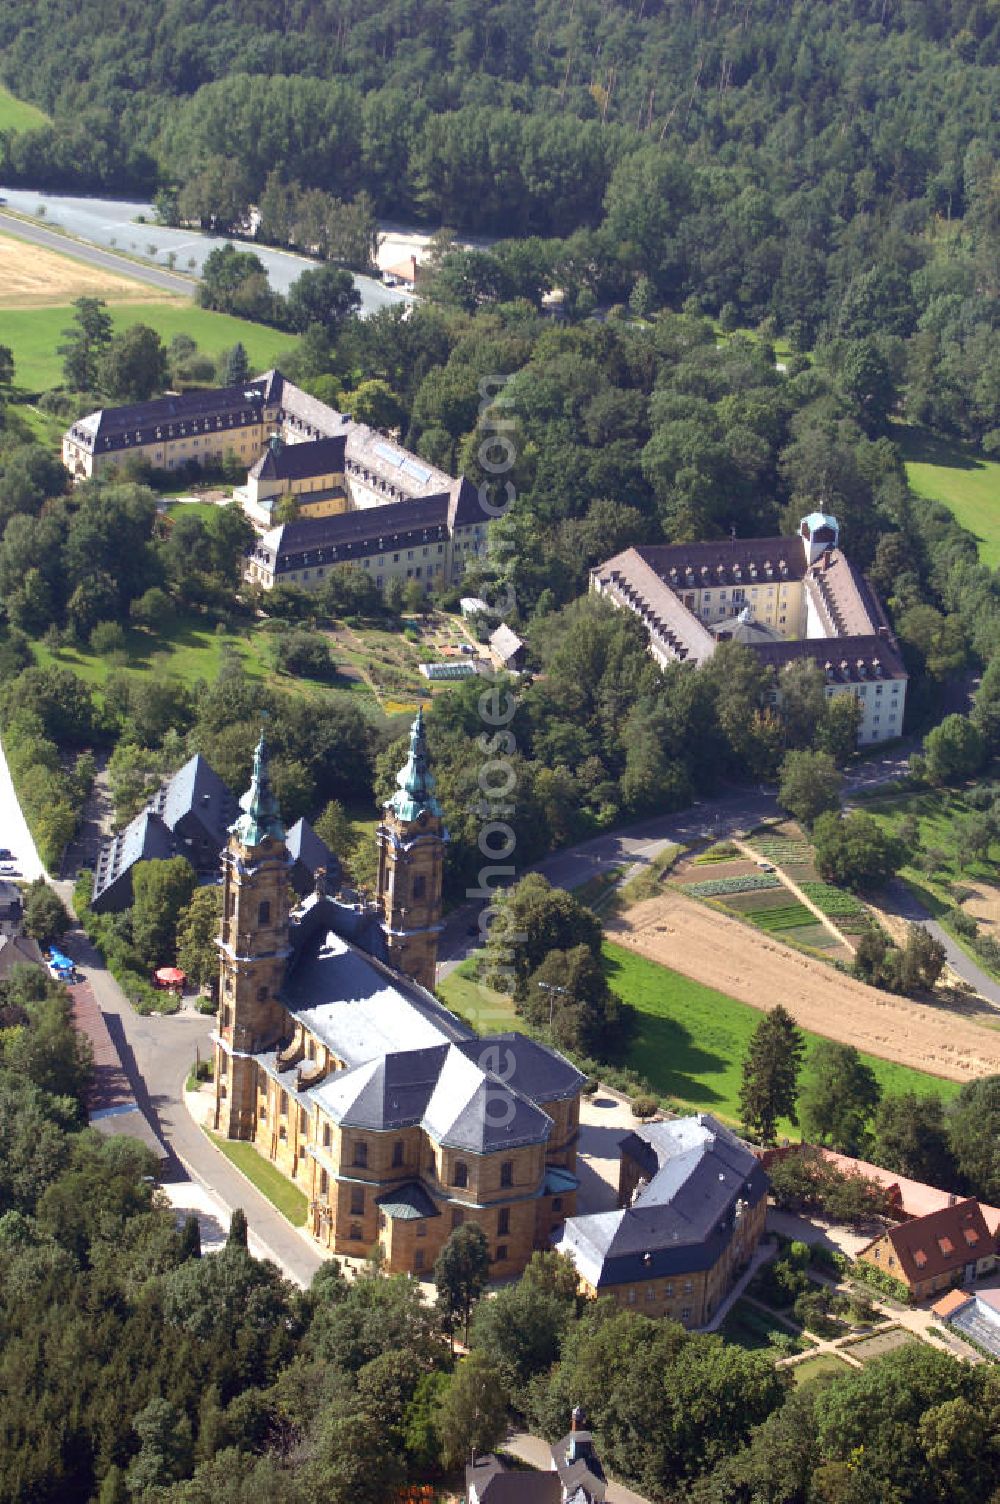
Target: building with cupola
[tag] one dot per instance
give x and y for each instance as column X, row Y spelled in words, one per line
column 335, row 1059
column 787, row 599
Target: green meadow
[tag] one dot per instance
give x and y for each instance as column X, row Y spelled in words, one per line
column 17, row 114
column 34, row 335
column 690, row 1040
column 964, row 482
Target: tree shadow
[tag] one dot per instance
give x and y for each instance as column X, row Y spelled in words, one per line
column 923, row 448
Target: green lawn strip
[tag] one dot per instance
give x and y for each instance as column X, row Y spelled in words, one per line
column 200, row 509
column 788, row 917
column 812, row 1368
column 33, row 335
column 487, row 1011
column 690, row 1040
column 268, row 1179
column 17, row 114
column 963, row 481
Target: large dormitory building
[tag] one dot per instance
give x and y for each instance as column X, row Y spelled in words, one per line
column 786, row 598
column 333, row 1056
column 359, row 497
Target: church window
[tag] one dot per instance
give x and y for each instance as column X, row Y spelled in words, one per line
column 361, row 1154
column 230, row 904
column 303, row 1120
column 264, row 912
column 460, row 1174
column 397, row 1153
column 355, row 1234
column 419, row 885
column 357, row 1200
column 507, row 1173
column 503, row 1221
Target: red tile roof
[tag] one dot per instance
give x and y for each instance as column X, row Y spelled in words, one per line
column 940, row 1243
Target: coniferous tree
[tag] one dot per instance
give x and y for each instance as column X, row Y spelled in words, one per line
column 237, row 1229
column 191, row 1238
column 237, row 367
column 770, row 1073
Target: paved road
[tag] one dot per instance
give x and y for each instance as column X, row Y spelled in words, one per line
column 52, row 240
column 107, row 223
column 899, row 900
column 157, row 1053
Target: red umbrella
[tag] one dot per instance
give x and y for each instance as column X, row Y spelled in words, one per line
column 170, row 975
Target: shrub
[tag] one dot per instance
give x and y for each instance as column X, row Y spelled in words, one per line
column 108, row 637
column 644, row 1107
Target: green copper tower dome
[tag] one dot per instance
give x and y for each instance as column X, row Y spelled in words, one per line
column 261, row 818
column 416, row 785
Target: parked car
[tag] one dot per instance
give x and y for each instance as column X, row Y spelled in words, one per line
column 765, row 866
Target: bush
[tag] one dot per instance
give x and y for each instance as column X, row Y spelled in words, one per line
column 108, row 637
column 644, row 1107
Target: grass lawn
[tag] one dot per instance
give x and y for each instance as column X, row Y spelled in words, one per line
column 18, row 114
column 811, row 1368
column 487, row 1011
column 939, row 814
column 190, row 650
column 752, row 1328
column 289, row 1200
column 690, row 1040
column 33, row 334
column 967, row 484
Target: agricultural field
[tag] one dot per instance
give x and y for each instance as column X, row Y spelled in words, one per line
column 690, row 1039
column 18, row 114
column 727, row 877
column 963, row 481
column 33, row 277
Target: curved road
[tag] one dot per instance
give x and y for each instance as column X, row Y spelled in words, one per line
column 139, row 271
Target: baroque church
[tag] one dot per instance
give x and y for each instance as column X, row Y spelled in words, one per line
column 335, row 1059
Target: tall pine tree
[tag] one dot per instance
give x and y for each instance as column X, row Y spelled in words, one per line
column 770, row 1074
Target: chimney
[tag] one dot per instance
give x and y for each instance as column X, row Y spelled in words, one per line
column 576, row 1420
column 319, row 882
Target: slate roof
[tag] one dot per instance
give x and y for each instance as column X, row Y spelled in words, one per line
column 579, row 1467
column 495, row 1485
column 506, row 643
column 407, row 1203
column 10, row 900
column 194, row 793
column 854, row 660
column 537, row 1070
column 360, row 1008
column 18, row 950
column 300, row 461
column 727, row 561
column 139, row 422
column 146, row 838
column 308, row 852
column 438, row 1088
column 940, row 1243
column 197, row 789
column 682, row 1220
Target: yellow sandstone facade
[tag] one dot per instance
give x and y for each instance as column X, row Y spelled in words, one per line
column 335, row 1060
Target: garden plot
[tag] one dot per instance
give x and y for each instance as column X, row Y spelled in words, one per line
column 879, row 1343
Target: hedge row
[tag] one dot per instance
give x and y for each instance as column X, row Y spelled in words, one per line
column 51, row 797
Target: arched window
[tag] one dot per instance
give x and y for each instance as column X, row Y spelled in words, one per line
column 264, row 912
column 419, row 886
column 460, row 1174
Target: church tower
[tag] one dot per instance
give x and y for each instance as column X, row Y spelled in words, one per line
column 253, row 949
column 411, row 841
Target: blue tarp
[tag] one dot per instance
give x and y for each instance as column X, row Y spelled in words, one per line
column 61, row 962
